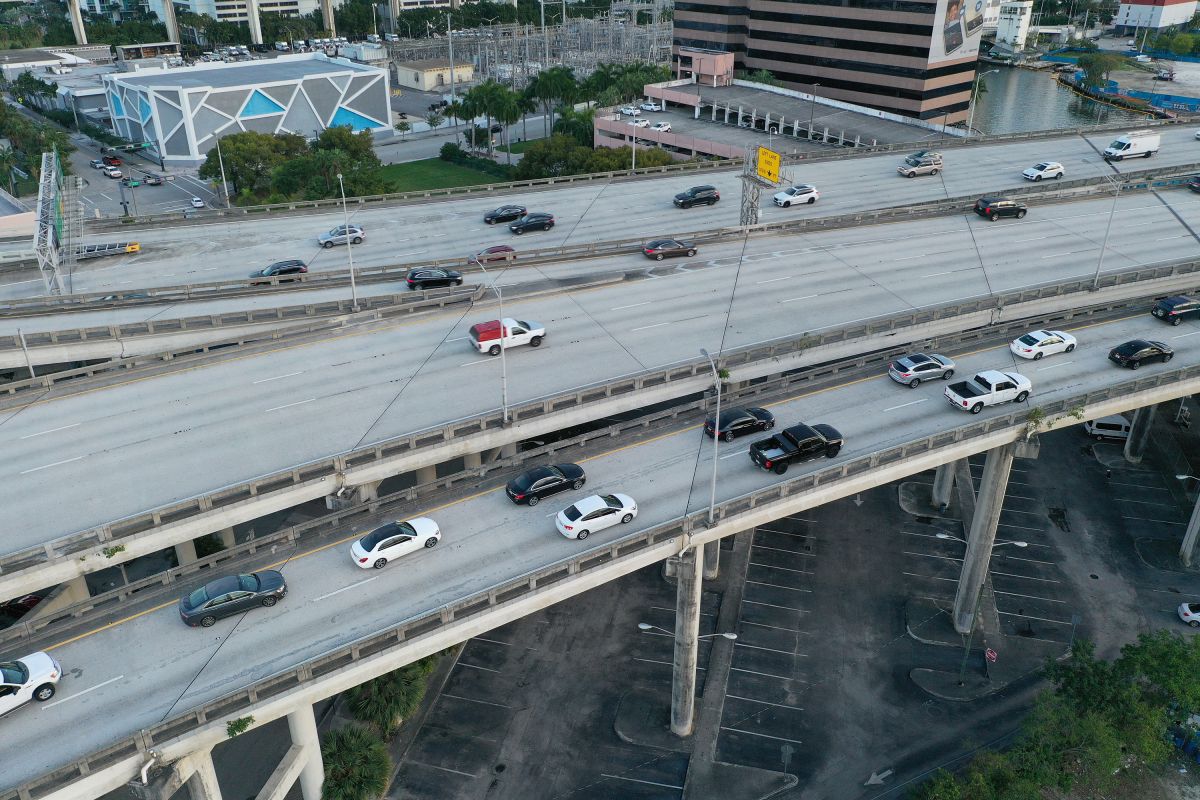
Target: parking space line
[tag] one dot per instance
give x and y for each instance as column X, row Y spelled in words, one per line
column 638, row 780
column 1030, row 513
column 1155, row 521
column 787, row 533
column 774, row 627
column 766, row 674
column 1023, row 577
column 1021, row 497
column 926, row 577
column 435, row 766
column 777, row 586
column 1019, row 527
column 660, row 608
column 489, row 641
column 1028, row 596
column 763, row 702
column 664, row 663
column 785, row 569
column 763, row 735
column 772, row 605
column 1140, row 486
column 473, row 700
column 770, row 650
column 1031, row 561
column 475, row 666
column 781, row 550
column 1039, row 619
column 930, row 555
column 1143, row 502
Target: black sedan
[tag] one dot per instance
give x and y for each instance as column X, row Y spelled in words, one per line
column 530, row 487
column 425, row 278
column 231, row 595
column 739, row 421
column 665, row 248
column 1134, row 352
column 533, row 221
column 504, row 214
column 284, row 270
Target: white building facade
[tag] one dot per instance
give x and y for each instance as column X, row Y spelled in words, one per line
column 1138, row 15
column 1012, row 27
column 237, row 10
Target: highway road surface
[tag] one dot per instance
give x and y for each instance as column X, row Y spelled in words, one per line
column 116, row 684
column 77, row 462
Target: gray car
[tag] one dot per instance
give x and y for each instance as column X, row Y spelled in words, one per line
column 354, row 234
column 924, row 162
column 231, row 595
column 912, row 369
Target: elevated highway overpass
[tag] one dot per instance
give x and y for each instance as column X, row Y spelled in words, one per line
column 341, row 625
column 100, row 456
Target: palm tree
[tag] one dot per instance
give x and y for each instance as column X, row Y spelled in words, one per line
column 8, row 160
column 508, row 111
column 357, row 764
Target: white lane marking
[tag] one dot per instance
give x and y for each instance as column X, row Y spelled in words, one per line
column 1168, row 238
column 1183, row 335
column 734, row 455
column 209, row 269
column 1068, row 253
column 289, row 405
column 1055, row 366
column 18, row 283
column 635, row 305
column 772, row 280
column 52, row 430
column 343, row 589
column 906, row 405
column 794, row 299
column 458, row 339
column 648, row 327
column 909, row 258
column 474, row 363
column 81, row 694
column 277, row 377
column 48, row 466
column 1034, row 239
column 937, row 274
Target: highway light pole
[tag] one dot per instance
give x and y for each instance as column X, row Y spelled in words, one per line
column 812, row 108
column 503, row 362
column 224, row 185
column 974, row 97
column 349, row 245
column 712, row 500
column 1107, row 229
column 647, row 627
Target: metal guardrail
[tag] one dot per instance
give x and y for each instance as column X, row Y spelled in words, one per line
column 1056, row 190
column 565, row 569
column 330, row 467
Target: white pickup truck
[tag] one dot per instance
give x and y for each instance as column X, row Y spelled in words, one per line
column 990, row 388
column 487, row 337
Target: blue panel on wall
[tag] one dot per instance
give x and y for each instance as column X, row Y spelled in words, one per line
column 356, row 122
column 144, row 107
column 118, row 108
column 260, row 104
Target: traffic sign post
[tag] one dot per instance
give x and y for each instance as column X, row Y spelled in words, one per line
column 990, row 654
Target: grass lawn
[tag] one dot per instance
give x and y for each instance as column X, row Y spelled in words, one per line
column 516, row 147
column 432, row 173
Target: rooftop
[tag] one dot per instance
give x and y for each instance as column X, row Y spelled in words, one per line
column 284, row 68
column 428, row 64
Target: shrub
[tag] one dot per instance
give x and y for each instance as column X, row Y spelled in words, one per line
column 357, row 764
column 450, row 152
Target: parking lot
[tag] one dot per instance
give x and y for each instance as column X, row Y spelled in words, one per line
column 102, row 196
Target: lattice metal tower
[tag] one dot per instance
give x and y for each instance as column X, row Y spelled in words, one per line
column 47, row 238
column 751, row 189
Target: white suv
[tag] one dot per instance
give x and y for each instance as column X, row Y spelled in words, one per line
column 1046, row 169
column 28, row 678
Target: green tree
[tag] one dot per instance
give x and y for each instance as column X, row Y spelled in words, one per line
column 765, row 76
column 402, row 127
column 1097, row 66
column 433, row 119
column 559, row 155
column 508, row 111
column 555, row 85
column 357, row 764
column 249, row 158
column 1182, row 43
column 577, row 124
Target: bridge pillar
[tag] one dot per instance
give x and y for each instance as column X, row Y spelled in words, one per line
column 185, row 552
column 255, row 23
column 303, row 726
column 426, row 475
column 367, row 492
column 77, row 22
column 203, row 785
column 689, row 574
column 227, row 537
column 72, row 592
column 1139, row 434
column 712, row 560
column 982, row 536
column 943, row 485
column 1189, row 538
column 472, row 460
column 327, row 17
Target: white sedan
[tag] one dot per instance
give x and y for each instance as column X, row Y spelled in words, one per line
column 1046, row 169
column 393, row 540
column 630, row 111
column 640, row 123
column 595, row 513
column 661, row 127
column 29, row 678
column 197, row 202
column 650, row 106
column 1042, row 343
column 804, row 193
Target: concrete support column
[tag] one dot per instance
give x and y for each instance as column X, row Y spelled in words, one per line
column 72, row 592
column 1189, row 538
column 367, row 492
column 203, row 785
column 303, row 725
column 472, row 460
column 77, row 22
column 426, row 475
column 988, row 504
column 943, row 485
column 712, row 561
column 227, row 538
column 185, row 552
column 170, row 21
column 687, row 631
column 327, row 17
column 255, row 22
column 1139, row 434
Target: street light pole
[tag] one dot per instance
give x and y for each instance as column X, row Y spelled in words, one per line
column 349, row 245
column 646, row 626
column 812, row 108
column 503, row 361
column 974, row 97
column 712, row 501
column 1107, row 229
column 224, row 185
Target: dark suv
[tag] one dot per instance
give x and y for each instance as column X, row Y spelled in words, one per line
column 290, row 270
column 1194, row 183
column 996, row 207
column 697, row 195
column 1174, row 309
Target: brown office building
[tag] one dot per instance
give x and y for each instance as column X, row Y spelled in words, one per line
column 916, row 58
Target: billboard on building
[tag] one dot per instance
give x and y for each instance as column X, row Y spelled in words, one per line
column 957, row 26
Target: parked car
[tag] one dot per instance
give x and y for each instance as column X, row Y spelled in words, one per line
column 96, row 163
column 533, row 485
column 707, row 195
column 1037, row 344
column 112, row 172
column 197, row 202
column 988, row 388
column 152, row 180
column 292, row 269
column 639, row 123
column 661, row 127
column 1132, row 353
column 650, row 106
column 393, row 540
column 795, row 444
column 504, row 214
column 112, row 161
column 911, row 370
column 231, row 595
column 924, row 162
column 993, row 208
column 491, row 255
column 793, row 195
column 658, row 249
column 426, row 277
column 738, row 422
column 1046, row 169
column 488, row 337
column 630, row 111
column 1175, row 309
column 1115, row 427
column 595, row 513
column 1194, row 183
column 533, row 221
column 1190, row 613
column 342, row 234
column 31, row 677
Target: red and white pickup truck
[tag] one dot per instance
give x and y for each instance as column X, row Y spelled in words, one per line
column 488, row 337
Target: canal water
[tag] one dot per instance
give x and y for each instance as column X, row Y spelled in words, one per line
column 1026, row 100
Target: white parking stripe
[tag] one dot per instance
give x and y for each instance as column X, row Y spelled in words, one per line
column 81, row 694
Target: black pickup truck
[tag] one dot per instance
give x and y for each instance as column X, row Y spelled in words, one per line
column 797, row 443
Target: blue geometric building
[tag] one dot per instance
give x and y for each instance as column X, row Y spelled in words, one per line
column 183, row 111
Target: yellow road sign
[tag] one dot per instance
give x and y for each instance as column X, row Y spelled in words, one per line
column 768, row 165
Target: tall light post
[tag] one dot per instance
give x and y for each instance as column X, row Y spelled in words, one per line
column 712, row 500
column 349, row 245
column 224, row 185
column 962, row 670
column 503, row 362
column 647, row 627
column 1107, row 228
column 450, row 46
column 974, row 97
column 812, row 108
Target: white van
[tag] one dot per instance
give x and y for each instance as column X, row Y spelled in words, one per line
column 282, row 46
column 1134, row 143
column 1116, row 428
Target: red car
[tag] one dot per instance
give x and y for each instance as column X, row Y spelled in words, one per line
column 112, row 161
column 666, row 248
column 500, row 252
